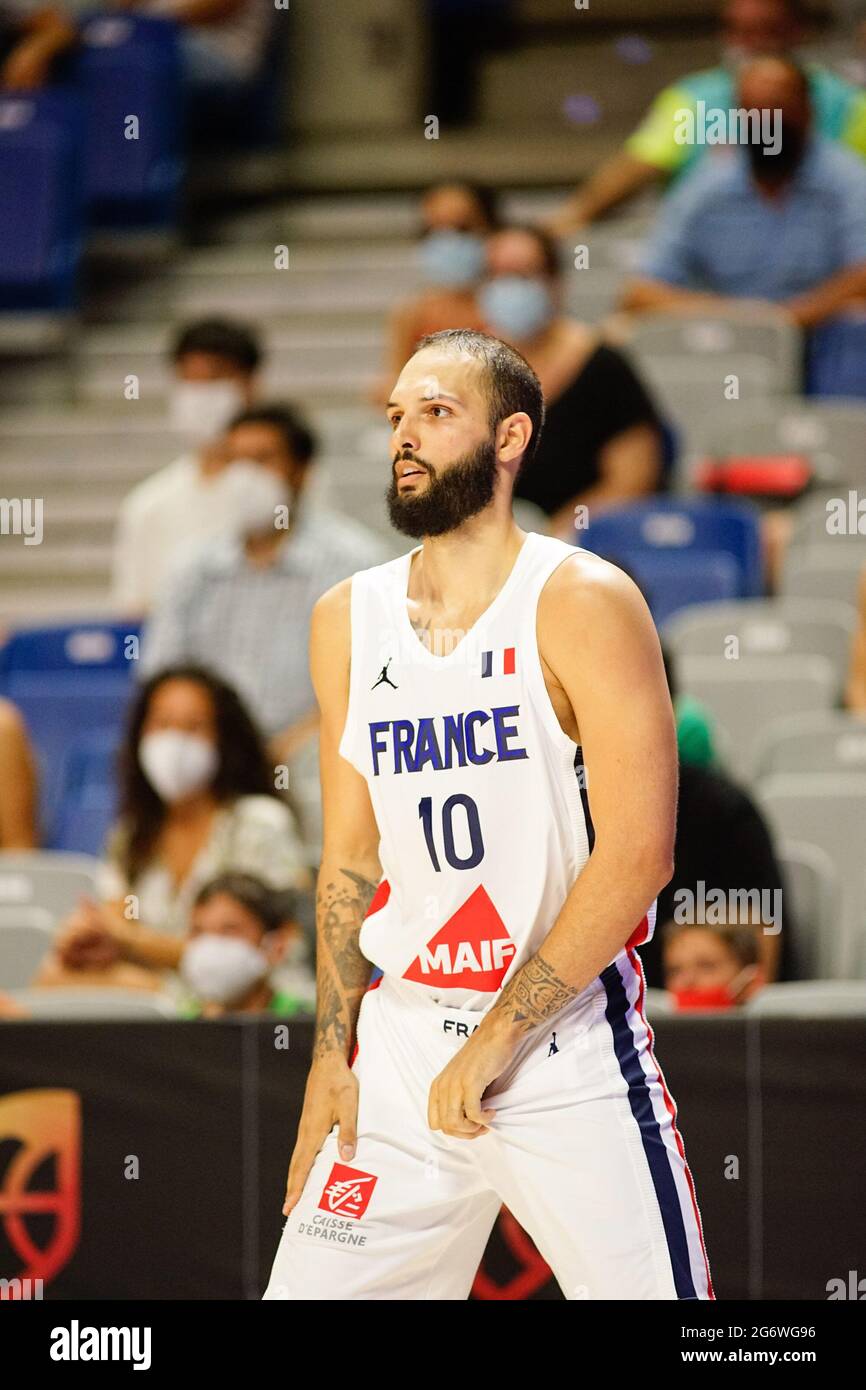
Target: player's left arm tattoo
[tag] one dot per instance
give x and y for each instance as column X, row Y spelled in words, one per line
column 534, row 995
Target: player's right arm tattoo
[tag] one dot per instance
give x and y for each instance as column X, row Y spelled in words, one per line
column 342, row 973
column 535, row 994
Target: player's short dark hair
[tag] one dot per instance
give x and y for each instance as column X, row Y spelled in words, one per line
column 270, row 906
column 511, row 383
column 222, row 338
column 298, row 438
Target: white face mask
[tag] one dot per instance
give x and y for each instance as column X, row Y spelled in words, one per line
column 177, row 764
column 222, row 969
column 251, row 494
column 201, row 410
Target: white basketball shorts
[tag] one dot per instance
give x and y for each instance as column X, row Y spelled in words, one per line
column 584, row 1151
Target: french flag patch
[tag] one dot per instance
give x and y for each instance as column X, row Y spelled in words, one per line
column 498, row 663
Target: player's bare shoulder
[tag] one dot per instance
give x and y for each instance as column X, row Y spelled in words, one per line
column 584, row 597
column 331, row 641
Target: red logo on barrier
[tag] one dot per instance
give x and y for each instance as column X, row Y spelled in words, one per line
column 47, row 1126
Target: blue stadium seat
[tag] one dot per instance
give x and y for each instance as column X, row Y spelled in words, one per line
column 87, row 794
column 43, row 207
column 67, row 681
column 71, row 647
column 836, row 358
column 689, row 530
column 129, row 65
column 671, row 582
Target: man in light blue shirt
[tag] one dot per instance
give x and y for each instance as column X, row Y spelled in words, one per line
column 241, row 603
column 787, row 228
column 652, row 154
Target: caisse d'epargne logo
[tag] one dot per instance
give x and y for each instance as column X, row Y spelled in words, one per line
column 347, row 1191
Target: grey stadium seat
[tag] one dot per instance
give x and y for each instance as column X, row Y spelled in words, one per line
column 812, row 521
column 26, row 934
column 46, row 878
column 658, row 1002
column 812, row 887
column 68, row 1002
column 810, row 999
column 722, row 338
column 748, row 695
column 829, row 810
column 766, row 626
column 831, row 433
column 830, row 573
column 818, row 741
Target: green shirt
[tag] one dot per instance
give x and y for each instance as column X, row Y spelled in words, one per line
column 282, row 1004
column 838, row 112
column 695, row 740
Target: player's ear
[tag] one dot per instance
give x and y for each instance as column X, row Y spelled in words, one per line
column 513, row 436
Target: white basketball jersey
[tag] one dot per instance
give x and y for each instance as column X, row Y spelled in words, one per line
column 479, row 795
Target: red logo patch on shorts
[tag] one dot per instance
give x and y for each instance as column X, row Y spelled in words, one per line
column 347, row 1191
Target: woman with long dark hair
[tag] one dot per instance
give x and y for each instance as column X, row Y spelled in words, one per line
column 197, row 799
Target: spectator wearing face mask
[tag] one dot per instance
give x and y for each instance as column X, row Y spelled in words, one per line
column 197, row 801
column 242, row 603
column 654, row 154
column 456, row 218
column 602, row 437
column 785, row 226
column 216, row 363
column 710, row 967
column 240, row 932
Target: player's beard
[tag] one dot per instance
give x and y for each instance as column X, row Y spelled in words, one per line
column 449, row 498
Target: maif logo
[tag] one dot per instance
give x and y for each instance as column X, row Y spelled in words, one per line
column 347, row 1191
column 42, row 1177
column 473, row 949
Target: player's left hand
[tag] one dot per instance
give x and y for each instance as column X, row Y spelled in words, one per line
column 454, row 1104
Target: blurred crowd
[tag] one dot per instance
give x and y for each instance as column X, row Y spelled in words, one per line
column 222, row 42
column 206, row 888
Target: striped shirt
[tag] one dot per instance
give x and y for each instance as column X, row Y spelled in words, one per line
column 251, row 625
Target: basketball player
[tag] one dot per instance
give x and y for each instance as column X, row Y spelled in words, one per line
column 499, row 780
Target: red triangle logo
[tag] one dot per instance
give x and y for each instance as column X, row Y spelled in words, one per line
column 472, row 950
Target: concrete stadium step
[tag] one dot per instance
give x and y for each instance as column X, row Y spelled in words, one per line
column 360, row 223
column 83, row 486
column 536, row 86
column 66, row 561
column 368, row 220
column 134, row 431
column 322, row 163
column 351, row 356
column 40, row 607
column 331, row 276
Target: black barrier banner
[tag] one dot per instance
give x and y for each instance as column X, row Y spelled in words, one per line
column 147, row 1161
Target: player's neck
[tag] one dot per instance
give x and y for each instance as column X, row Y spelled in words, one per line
column 471, row 562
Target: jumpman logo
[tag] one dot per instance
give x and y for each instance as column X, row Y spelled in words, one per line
column 383, row 676
column 553, row 1047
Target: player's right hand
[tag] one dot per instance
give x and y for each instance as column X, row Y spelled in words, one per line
column 330, row 1098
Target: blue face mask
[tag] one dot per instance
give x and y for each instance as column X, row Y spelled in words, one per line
column 514, row 307
column 454, row 260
